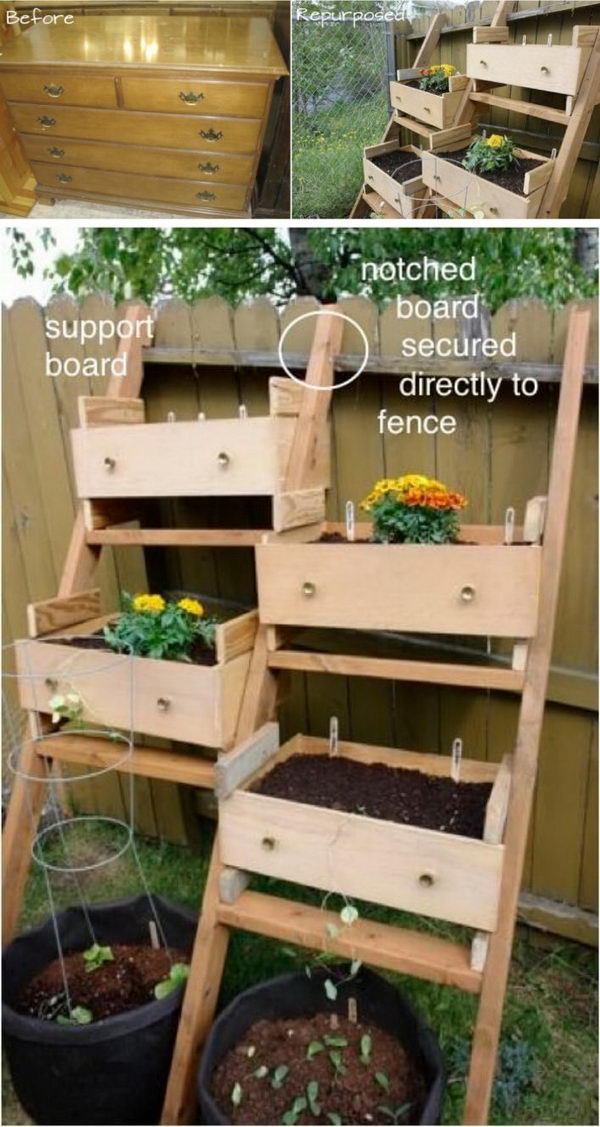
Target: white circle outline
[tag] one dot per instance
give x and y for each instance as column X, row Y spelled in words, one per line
column 317, row 313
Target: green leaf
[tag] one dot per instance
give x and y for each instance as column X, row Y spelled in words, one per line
column 96, row 956
column 355, row 966
column 335, row 1041
column 261, row 1072
column 279, row 1075
column 382, row 1080
column 349, row 915
column 236, row 1094
column 176, row 977
column 366, row 1044
column 80, row 1015
column 330, row 990
column 333, row 1117
column 314, row 1048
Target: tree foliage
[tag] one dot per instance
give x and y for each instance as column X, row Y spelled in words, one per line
column 239, row 263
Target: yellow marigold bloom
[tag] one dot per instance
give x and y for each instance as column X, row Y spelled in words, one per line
column 154, row 603
column 192, row 606
column 495, row 141
column 414, row 489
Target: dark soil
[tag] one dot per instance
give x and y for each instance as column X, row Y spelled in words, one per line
column 400, row 166
column 111, row 989
column 512, row 179
column 354, row 1095
column 394, row 794
column 338, row 538
column 200, row 655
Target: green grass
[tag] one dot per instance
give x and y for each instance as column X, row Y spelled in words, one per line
column 549, row 1044
column 328, row 156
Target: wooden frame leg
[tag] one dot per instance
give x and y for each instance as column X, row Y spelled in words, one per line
column 22, row 819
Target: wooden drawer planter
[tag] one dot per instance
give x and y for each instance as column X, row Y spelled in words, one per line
column 534, row 66
column 433, row 109
column 445, row 876
column 405, row 197
column 480, row 588
column 174, row 700
column 118, row 455
column 475, row 193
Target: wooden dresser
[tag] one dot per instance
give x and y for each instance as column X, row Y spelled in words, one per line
column 166, row 112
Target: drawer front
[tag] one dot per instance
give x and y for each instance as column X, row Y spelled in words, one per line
column 188, row 193
column 134, row 158
column 449, row 589
column 399, row 196
column 58, row 88
column 433, row 109
column 195, row 96
column 469, row 191
column 534, row 66
column 212, row 135
column 211, row 458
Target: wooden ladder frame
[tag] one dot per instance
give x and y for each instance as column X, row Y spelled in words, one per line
column 576, row 123
column 227, row 904
column 28, row 796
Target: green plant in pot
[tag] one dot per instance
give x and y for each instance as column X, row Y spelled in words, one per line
column 413, row 509
column 490, row 154
column 435, row 79
column 151, row 626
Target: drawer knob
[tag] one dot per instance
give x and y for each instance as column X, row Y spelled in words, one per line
column 223, row 459
column 46, row 122
column 109, row 464
column 210, row 135
column 208, row 167
column 482, row 63
column 308, row 589
column 493, row 210
column 63, row 178
column 268, row 843
column 190, row 98
column 163, row 703
column 206, row 195
column 54, row 91
column 426, row 879
column 56, row 152
column 545, row 70
column 467, row 593
column 51, row 683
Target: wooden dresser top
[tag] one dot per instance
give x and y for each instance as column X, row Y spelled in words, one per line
column 218, row 44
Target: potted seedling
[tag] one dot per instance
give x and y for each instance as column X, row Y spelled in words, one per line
column 489, row 176
column 431, row 95
column 89, row 1038
column 286, row 1051
column 188, row 669
column 412, row 568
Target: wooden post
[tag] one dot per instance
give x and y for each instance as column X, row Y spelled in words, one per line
column 489, row 1017
column 585, row 102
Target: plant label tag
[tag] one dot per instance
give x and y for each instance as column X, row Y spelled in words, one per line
column 201, row 417
column 456, row 760
column 509, row 525
column 242, row 411
column 333, row 735
column 170, row 416
column 349, row 520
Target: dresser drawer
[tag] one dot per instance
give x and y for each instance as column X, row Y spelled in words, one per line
column 211, row 134
column 133, row 158
column 59, row 88
column 183, row 192
column 195, row 96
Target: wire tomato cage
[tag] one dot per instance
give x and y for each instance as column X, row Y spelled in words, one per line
column 69, row 846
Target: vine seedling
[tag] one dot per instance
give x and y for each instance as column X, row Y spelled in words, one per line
column 175, row 978
column 80, row 1015
column 279, row 1076
column 96, row 956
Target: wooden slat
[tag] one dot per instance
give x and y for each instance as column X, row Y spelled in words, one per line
column 149, row 762
column 530, row 109
column 315, row 400
column 56, row 614
column 104, row 411
column 391, row 948
column 237, row 765
column 431, row 672
column 177, row 537
column 236, row 636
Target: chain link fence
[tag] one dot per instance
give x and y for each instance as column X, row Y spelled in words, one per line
column 340, row 103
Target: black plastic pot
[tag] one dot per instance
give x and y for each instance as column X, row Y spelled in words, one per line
column 296, row 995
column 112, row 1071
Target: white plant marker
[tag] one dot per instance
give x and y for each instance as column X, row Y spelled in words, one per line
column 201, row 417
column 457, row 747
column 524, row 40
column 352, row 1010
column 509, row 525
column 350, row 520
column 154, row 941
column 170, row 416
column 334, row 728
column 243, row 411
column 550, row 40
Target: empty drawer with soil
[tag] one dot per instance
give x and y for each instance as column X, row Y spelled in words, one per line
column 395, row 173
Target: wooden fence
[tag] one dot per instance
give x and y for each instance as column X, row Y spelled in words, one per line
column 537, row 19
column 211, row 358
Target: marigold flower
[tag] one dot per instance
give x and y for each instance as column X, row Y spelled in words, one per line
column 192, row 606
column 414, row 489
column 496, row 141
column 153, row 603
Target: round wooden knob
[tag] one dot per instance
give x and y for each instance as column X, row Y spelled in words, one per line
column 467, row 593
column 427, row 879
column 163, row 703
column 545, row 70
column 308, row 589
column 223, row 459
column 109, row 463
column 51, row 683
column 493, row 210
column 268, row 843
column 482, row 63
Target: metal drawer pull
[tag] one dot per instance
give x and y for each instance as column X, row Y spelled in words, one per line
column 208, row 167
column 206, row 195
column 268, row 843
column 56, row 152
column 467, row 593
column 54, row 91
column 545, row 70
column 482, row 63
column 163, row 703
column 51, row 683
column 63, row 178
column 427, row 879
column 110, row 463
column 190, row 99
column 47, row 122
column 308, row 589
column 210, row 135
column 493, row 210
column 223, row 459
